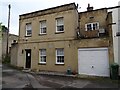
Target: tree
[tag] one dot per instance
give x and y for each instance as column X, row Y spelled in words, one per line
column 4, row 28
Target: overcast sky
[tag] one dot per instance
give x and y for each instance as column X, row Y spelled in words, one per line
column 19, row 7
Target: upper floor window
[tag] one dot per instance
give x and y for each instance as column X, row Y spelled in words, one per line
column 92, row 26
column 60, row 56
column 43, row 27
column 59, row 25
column 28, row 29
column 42, row 56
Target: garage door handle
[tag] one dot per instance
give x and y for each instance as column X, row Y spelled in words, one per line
column 92, row 66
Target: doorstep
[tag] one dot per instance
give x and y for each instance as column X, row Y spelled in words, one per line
column 26, row 70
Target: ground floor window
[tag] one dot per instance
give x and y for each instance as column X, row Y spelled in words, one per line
column 59, row 56
column 42, row 56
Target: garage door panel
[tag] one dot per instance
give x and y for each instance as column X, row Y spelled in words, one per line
column 93, row 61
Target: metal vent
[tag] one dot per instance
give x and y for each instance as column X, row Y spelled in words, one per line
column 102, row 30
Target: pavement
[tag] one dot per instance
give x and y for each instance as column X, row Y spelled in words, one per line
column 13, row 78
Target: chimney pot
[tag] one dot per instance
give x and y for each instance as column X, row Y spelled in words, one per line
column 89, row 8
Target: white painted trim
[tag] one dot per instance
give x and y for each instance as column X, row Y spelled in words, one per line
column 92, row 49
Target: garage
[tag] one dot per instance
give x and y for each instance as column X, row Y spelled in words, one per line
column 93, row 62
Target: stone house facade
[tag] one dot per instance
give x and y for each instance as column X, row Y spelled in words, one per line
column 61, row 38
column 12, row 39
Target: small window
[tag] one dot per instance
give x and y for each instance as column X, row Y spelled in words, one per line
column 92, row 26
column 89, row 27
column 95, row 26
column 59, row 25
column 43, row 28
column 28, row 29
column 60, row 56
column 42, row 56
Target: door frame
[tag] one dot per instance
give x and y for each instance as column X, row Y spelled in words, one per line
column 27, row 66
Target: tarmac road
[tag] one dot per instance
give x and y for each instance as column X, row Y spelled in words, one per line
column 13, row 78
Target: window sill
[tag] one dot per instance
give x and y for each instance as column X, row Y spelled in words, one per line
column 42, row 34
column 41, row 63
column 59, row 32
column 61, row 64
column 28, row 36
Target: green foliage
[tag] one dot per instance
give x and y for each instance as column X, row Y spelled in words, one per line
column 6, row 60
column 4, row 28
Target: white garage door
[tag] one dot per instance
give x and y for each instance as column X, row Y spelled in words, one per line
column 93, row 61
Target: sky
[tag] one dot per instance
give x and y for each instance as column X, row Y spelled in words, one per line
column 19, row 7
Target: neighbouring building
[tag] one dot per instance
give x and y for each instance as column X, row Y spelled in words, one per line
column 61, row 38
column 116, row 32
column 0, row 42
column 11, row 39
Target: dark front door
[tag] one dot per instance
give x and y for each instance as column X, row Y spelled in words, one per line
column 28, row 58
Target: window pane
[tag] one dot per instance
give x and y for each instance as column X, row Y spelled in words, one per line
column 95, row 26
column 89, row 27
column 29, row 32
column 60, row 28
column 43, row 23
column 59, row 21
column 43, row 52
column 43, row 30
column 28, row 26
column 60, row 52
column 43, row 58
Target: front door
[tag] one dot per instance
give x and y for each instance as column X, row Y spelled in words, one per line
column 28, row 58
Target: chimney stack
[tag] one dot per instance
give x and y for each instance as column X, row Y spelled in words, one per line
column 89, row 8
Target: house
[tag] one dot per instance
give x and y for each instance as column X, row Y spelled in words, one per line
column 11, row 39
column 116, row 32
column 0, row 42
column 95, row 52
column 61, row 38
column 119, row 37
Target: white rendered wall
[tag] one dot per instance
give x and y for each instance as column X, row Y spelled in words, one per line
column 114, row 30
column 119, row 36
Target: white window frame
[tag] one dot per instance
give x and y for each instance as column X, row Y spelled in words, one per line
column 40, row 60
column 43, row 27
column 59, row 55
column 28, row 29
column 58, row 25
column 86, row 29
